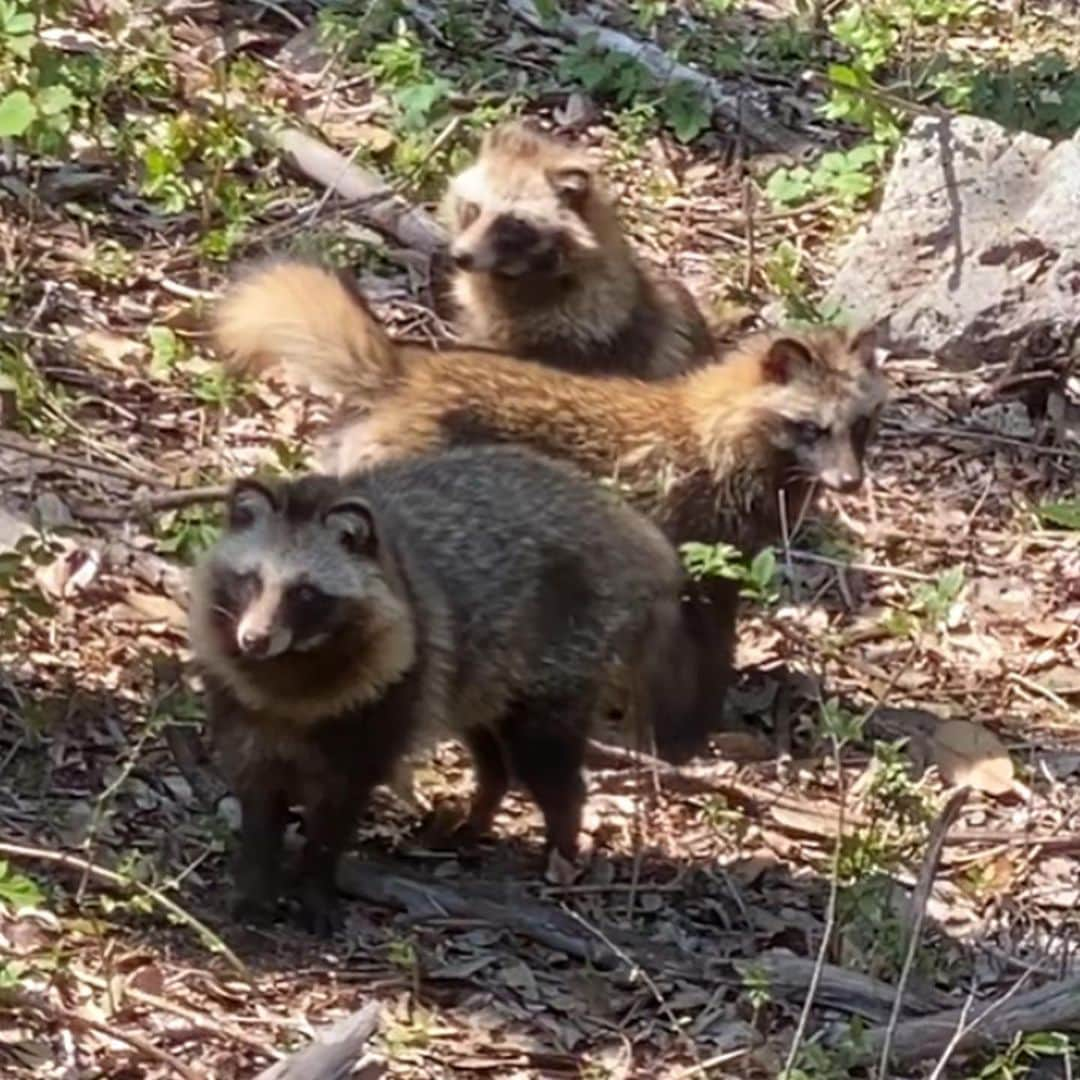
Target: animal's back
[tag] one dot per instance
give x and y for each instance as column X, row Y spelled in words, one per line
column 543, row 572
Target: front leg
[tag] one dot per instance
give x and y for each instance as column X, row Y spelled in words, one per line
column 257, row 858
column 330, row 818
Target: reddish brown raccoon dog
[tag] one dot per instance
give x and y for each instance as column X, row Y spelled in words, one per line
column 732, row 452
column 544, row 271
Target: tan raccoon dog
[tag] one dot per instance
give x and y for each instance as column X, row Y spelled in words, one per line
column 711, row 455
column 340, row 621
column 544, row 271
column 723, row 453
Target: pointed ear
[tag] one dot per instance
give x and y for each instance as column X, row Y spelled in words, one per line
column 249, row 501
column 784, row 359
column 571, row 185
column 354, row 523
column 863, row 346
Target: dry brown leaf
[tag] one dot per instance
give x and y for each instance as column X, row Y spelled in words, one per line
column 152, row 607
column 971, row 754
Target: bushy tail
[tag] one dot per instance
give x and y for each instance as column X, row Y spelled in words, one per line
column 312, row 323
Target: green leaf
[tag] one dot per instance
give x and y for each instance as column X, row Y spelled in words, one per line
column 18, row 891
column 17, row 113
column 164, row 348
column 53, row 100
column 687, row 110
column 763, row 568
column 18, row 24
column 1065, row 515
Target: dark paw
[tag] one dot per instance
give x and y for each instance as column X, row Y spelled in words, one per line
column 320, row 911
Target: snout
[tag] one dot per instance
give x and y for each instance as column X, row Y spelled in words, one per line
column 253, row 643
column 463, row 259
column 257, row 642
column 843, row 480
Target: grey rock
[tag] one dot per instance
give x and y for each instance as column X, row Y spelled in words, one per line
column 975, row 251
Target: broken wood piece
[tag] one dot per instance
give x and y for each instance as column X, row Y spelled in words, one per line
column 424, row 899
column 1053, row 1007
column 852, row 992
column 334, row 1051
column 382, row 207
column 736, row 106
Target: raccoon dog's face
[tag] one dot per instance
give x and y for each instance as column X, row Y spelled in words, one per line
column 830, row 392
column 521, row 211
column 292, row 572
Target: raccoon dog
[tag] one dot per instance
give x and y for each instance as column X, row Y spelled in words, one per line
column 339, row 620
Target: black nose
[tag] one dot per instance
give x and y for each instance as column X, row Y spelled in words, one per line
column 253, row 644
column 847, row 482
column 463, row 260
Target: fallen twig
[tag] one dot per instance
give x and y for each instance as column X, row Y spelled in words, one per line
column 198, row 1020
column 382, row 206
column 83, row 866
column 736, row 106
column 23, row 999
column 334, row 1051
column 151, row 504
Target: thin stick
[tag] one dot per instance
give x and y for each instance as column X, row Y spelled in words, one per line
column 646, row 978
column 919, row 900
column 864, row 568
column 196, row 1019
column 73, row 862
column 830, row 922
column 167, row 500
column 23, row 999
column 73, row 463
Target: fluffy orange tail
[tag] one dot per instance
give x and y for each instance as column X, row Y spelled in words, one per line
column 312, row 323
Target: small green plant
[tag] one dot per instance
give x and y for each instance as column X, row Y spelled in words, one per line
column 930, row 608
column 16, row 890
column 835, row 1062
column 21, row 600
column 1060, row 515
column 757, row 990
column 39, row 106
column 785, row 273
column 759, row 578
column 686, row 109
column 166, row 351
column 718, row 814
column 187, row 533
column 1023, row 1052
column 848, row 177
column 839, row 726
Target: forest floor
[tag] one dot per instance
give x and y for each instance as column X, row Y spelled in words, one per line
column 754, row 906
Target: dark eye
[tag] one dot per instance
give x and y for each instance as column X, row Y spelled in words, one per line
column 307, row 595
column 808, row 431
column 468, row 212
column 237, row 589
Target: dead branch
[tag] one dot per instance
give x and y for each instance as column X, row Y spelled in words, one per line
column 1053, row 1007
column 146, row 505
column 424, row 899
column 788, row 975
column 381, row 206
column 334, row 1051
column 735, row 105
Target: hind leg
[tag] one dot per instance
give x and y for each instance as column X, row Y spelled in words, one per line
column 492, row 781
column 545, row 742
